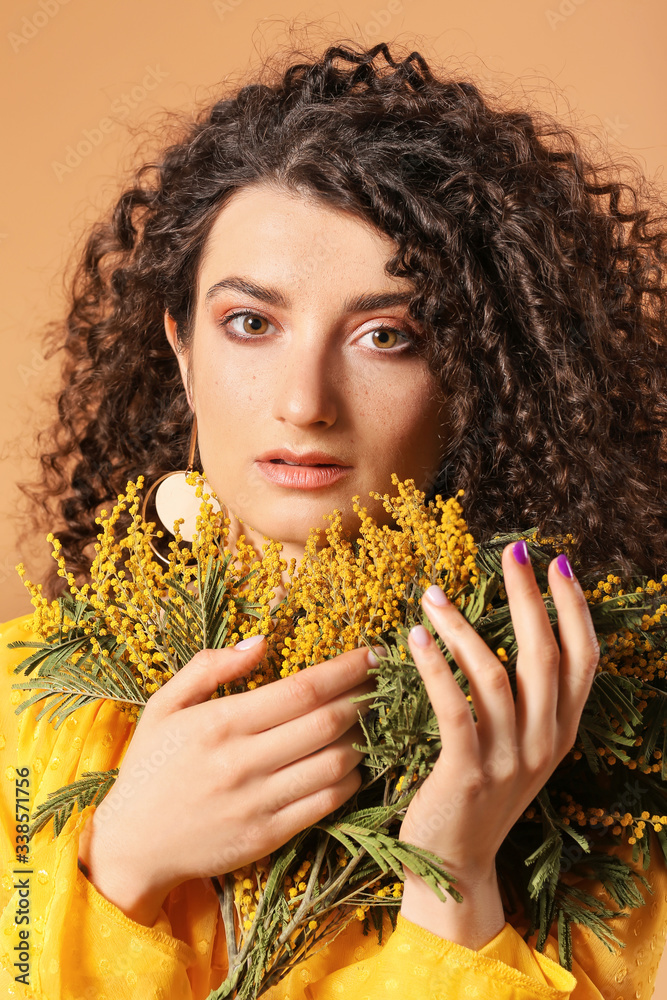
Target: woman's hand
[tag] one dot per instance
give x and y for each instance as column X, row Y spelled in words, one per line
column 231, row 779
column 490, row 770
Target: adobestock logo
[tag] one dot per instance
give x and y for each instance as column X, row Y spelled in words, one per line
column 222, row 7
column 122, row 107
column 566, row 9
column 31, row 26
column 39, row 362
column 381, row 19
column 141, row 772
column 615, row 126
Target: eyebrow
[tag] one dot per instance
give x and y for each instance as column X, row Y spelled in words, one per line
column 274, row 297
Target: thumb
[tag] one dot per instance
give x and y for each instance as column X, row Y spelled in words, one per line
column 200, row 677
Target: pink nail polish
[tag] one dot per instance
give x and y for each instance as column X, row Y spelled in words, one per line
column 563, row 564
column 520, row 552
column 252, row 640
column 420, row 635
column 436, row 596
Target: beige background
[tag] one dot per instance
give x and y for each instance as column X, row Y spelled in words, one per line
column 90, row 74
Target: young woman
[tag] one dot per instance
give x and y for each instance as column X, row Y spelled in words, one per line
column 358, row 269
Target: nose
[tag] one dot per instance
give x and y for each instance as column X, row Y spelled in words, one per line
column 305, row 385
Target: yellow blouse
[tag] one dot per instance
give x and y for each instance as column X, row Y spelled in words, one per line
column 68, row 942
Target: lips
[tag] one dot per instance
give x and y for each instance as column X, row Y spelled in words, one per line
column 281, row 461
column 284, row 456
column 308, row 470
column 302, row 477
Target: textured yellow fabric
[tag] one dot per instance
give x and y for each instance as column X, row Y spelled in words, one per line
column 82, row 946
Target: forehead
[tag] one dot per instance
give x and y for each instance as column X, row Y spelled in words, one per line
column 276, row 236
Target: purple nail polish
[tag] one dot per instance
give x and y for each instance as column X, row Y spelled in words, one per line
column 520, row 552
column 563, row 564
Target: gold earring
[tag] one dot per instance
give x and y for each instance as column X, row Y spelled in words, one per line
column 172, row 498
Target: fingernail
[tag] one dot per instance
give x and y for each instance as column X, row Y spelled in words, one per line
column 420, row 635
column 372, row 657
column 250, row 641
column 436, row 596
column 520, row 552
column 563, row 564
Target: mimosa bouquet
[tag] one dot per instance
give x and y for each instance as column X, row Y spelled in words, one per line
column 139, row 621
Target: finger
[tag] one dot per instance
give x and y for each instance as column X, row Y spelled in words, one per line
column 489, row 684
column 457, row 726
column 317, row 771
column 201, row 676
column 299, row 737
column 310, row 809
column 538, row 657
column 297, row 695
column 580, row 650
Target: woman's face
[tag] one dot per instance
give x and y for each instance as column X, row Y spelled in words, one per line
column 304, row 366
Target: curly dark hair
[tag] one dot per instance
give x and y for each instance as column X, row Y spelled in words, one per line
column 538, row 279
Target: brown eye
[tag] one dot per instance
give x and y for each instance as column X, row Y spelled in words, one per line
column 384, row 337
column 253, row 323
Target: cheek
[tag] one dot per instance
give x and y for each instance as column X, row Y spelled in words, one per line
column 226, row 399
column 408, row 413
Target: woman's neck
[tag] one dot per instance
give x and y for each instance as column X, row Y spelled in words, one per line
column 290, row 551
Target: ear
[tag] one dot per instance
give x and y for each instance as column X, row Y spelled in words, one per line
column 182, row 356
